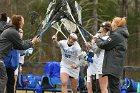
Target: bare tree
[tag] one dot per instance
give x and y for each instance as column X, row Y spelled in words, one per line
column 95, row 18
column 136, row 6
column 124, row 8
column 137, row 29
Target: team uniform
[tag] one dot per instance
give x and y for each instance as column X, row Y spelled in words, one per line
column 90, row 71
column 70, row 55
column 98, row 58
column 95, row 68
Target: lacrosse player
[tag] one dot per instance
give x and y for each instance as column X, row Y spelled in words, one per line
column 115, row 49
column 95, row 68
column 70, row 63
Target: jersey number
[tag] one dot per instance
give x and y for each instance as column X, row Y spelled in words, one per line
column 68, row 56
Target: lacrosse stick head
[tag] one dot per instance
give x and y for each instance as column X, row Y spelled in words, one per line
column 58, row 7
column 79, row 12
column 33, row 17
column 70, row 26
column 56, row 26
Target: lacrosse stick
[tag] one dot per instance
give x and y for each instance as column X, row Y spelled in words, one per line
column 50, row 5
column 79, row 25
column 48, row 14
column 45, row 21
column 33, row 17
column 82, row 28
column 52, row 20
column 46, row 18
column 78, row 10
column 58, row 28
column 68, row 17
column 46, row 27
column 69, row 11
column 49, row 11
column 70, row 26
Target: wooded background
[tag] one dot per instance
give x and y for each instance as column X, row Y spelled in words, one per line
column 93, row 13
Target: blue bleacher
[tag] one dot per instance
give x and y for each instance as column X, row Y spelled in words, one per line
column 50, row 81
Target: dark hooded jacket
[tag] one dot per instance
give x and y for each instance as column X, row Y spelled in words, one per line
column 10, row 39
column 115, row 50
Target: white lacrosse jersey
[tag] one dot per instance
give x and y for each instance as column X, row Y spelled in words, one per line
column 70, row 54
column 96, row 66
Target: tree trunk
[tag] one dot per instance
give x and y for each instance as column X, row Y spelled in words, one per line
column 124, row 8
column 136, row 6
column 124, row 12
column 95, row 19
column 137, row 30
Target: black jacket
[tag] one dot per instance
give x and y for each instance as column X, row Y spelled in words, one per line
column 115, row 50
column 10, row 39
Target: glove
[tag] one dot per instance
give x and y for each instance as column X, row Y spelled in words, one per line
column 28, row 51
column 89, row 57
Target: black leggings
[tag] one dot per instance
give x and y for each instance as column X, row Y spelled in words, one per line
column 95, row 84
column 11, row 81
column 113, row 84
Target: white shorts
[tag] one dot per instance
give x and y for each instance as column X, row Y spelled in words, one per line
column 88, row 75
column 98, row 63
column 70, row 71
column 92, row 68
column 16, row 72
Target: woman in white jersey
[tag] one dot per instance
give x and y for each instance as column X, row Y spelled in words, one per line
column 71, row 53
column 96, row 66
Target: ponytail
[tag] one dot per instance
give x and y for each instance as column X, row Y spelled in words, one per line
column 120, row 21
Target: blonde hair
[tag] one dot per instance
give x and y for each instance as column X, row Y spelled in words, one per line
column 120, row 21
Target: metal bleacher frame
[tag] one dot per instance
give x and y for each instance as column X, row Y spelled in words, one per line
column 130, row 69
